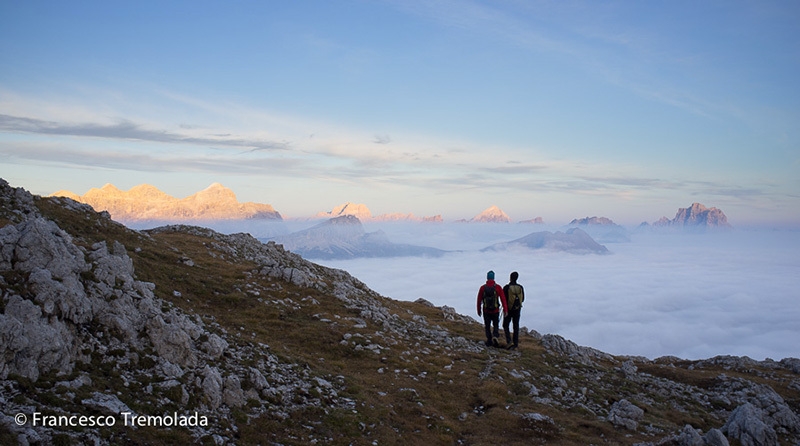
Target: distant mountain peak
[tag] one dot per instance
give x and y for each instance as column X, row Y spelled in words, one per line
column 360, row 211
column 492, row 214
column 108, row 187
column 574, row 240
column 602, row 229
column 344, row 237
column 343, row 220
column 601, row 221
column 147, row 202
column 214, row 193
column 696, row 216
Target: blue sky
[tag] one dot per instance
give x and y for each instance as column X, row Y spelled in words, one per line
column 562, row 110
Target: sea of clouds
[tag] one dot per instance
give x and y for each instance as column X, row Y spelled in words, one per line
column 687, row 295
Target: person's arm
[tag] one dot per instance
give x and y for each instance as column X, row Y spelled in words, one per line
column 480, row 299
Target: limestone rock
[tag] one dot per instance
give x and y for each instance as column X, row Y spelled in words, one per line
column 232, row 394
column 32, row 344
column 625, row 414
column 108, row 404
column 585, row 355
column 746, row 424
column 212, row 386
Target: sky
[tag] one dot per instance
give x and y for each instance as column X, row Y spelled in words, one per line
column 553, row 109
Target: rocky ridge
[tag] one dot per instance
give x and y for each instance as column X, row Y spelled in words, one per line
column 146, row 203
column 696, row 217
column 99, row 320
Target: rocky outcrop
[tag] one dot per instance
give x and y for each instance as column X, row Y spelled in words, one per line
column 747, row 425
column 696, row 217
column 583, row 355
column 699, row 215
column 625, row 414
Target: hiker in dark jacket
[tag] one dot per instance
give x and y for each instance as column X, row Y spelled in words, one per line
column 490, row 297
column 515, row 295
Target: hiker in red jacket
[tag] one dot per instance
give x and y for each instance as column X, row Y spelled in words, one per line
column 490, row 297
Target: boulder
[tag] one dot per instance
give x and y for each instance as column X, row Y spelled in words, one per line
column 625, row 414
column 746, row 424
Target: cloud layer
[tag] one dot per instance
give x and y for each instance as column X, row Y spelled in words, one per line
column 687, row 296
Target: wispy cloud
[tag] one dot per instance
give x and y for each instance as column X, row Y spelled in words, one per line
column 445, row 170
column 127, row 130
column 382, row 139
column 259, row 143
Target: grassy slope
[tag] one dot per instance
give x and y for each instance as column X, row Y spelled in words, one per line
column 410, row 392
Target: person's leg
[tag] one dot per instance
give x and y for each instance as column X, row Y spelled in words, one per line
column 515, row 319
column 506, row 322
column 496, row 322
column 487, row 322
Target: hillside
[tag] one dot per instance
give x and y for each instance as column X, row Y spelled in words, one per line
column 182, row 323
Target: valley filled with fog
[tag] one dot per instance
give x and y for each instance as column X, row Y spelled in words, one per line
column 687, row 295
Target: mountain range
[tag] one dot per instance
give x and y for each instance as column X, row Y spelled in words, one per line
column 344, row 237
column 207, row 338
column 145, row 202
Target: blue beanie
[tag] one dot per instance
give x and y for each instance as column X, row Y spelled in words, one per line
column 490, row 275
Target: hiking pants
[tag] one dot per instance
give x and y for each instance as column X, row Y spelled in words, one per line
column 488, row 320
column 513, row 316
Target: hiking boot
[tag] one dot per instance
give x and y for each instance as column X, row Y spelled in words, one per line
column 488, row 343
column 495, row 342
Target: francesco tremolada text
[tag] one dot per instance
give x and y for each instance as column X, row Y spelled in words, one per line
column 127, row 418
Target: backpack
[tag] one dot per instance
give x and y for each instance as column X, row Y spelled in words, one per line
column 490, row 300
column 515, row 296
